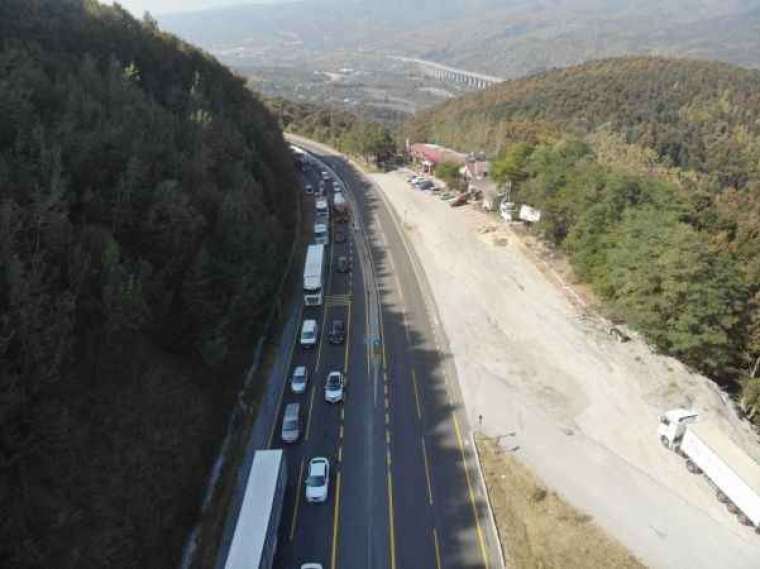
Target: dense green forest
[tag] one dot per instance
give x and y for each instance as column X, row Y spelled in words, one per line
column 647, row 171
column 147, row 206
column 341, row 129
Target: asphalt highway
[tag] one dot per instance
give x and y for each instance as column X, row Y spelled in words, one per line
column 405, row 491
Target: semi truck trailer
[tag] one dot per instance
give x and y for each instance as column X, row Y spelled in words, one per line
column 732, row 473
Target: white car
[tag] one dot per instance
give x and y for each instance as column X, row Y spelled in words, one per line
column 334, row 387
column 309, row 333
column 311, row 566
column 318, row 479
column 299, row 380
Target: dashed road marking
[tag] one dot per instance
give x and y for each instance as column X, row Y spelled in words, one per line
column 336, row 517
column 298, row 502
column 427, row 472
column 437, row 549
column 311, row 408
column 416, row 395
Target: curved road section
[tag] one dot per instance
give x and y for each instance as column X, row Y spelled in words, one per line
column 405, row 489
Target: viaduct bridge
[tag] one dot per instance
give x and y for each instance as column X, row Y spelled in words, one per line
column 452, row 74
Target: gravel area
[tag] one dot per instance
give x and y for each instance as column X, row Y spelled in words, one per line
column 568, row 400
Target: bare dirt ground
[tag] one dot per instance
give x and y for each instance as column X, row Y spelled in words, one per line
column 536, row 361
column 543, row 531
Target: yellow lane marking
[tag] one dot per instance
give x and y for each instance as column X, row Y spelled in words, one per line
column 311, row 407
column 416, row 395
column 387, row 418
column 348, row 339
column 392, row 532
column 321, row 338
column 330, row 271
column 340, row 453
column 282, row 391
column 298, row 502
column 336, row 517
column 437, row 550
column 382, row 336
column 427, row 472
column 481, row 540
column 366, row 335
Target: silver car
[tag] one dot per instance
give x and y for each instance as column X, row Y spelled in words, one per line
column 299, row 380
column 291, row 423
column 334, row 387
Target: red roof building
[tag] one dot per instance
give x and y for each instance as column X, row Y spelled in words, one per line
column 430, row 155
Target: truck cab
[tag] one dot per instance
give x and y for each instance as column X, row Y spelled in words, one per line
column 673, row 426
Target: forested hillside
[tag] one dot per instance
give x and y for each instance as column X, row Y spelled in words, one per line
column 647, row 171
column 344, row 130
column 147, row 204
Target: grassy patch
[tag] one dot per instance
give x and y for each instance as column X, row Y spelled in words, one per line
column 539, row 530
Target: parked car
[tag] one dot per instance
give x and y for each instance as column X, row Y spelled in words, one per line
column 318, row 479
column 337, row 334
column 309, row 189
column 334, row 387
column 299, row 380
column 343, row 265
column 291, row 423
column 309, row 334
column 459, row 200
column 445, row 195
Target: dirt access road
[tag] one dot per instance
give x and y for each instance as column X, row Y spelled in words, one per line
column 577, row 407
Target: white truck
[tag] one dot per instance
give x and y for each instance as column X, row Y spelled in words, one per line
column 734, row 475
column 314, row 275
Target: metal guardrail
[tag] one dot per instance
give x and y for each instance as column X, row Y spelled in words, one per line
column 266, row 413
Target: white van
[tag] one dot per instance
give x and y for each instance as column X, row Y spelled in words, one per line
column 309, row 334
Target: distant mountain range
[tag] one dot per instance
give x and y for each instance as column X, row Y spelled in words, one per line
column 508, row 38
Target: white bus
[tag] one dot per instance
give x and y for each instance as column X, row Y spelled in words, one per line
column 254, row 542
column 314, row 275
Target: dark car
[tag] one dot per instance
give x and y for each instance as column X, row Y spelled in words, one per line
column 459, row 200
column 337, row 334
column 343, row 265
column 340, row 237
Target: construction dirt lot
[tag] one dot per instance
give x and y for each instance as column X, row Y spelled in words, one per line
column 545, row 380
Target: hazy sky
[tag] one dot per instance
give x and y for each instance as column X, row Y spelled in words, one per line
column 138, row 7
